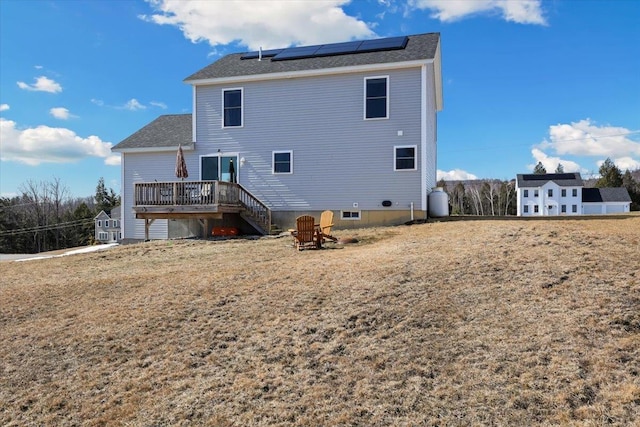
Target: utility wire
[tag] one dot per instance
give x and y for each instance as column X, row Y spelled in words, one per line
column 40, row 228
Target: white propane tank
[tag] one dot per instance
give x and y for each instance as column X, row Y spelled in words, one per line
column 438, row 203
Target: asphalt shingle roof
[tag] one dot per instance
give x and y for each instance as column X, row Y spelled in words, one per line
column 538, row 180
column 419, row 47
column 166, row 131
column 607, row 194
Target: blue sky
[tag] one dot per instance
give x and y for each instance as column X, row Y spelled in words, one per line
column 524, row 81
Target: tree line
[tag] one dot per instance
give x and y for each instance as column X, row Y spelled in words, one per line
column 491, row 197
column 44, row 217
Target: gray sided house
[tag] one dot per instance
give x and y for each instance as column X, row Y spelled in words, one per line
column 349, row 127
column 107, row 226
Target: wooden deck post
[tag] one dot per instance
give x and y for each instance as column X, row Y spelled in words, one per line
column 147, row 224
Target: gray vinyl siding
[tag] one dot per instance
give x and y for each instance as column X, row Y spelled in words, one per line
column 143, row 167
column 431, row 129
column 338, row 157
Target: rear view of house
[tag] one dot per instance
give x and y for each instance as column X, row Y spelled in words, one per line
column 349, row 127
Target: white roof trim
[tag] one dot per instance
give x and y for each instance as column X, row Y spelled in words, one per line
column 318, row 72
column 152, row 149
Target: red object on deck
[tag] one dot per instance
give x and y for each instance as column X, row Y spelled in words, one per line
column 224, row 231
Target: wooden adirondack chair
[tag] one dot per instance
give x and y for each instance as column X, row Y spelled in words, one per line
column 306, row 235
column 326, row 222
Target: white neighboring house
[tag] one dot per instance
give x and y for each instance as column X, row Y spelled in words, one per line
column 564, row 194
column 107, row 227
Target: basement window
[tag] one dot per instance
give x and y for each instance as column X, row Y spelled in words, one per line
column 350, row 215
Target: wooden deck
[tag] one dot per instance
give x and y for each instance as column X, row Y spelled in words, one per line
column 203, row 200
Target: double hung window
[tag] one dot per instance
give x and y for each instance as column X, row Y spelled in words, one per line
column 232, row 106
column 283, row 162
column 404, row 157
column 376, row 103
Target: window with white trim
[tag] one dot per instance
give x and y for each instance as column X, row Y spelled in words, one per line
column 282, row 162
column 564, row 192
column 404, row 157
column 535, row 193
column 550, row 192
column 574, row 192
column 526, row 193
column 106, row 223
column 376, row 97
column 535, row 209
column 232, row 107
column 526, row 208
column 350, row 215
column 574, row 208
column 99, row 223
column 103, row 236
column 564, row 208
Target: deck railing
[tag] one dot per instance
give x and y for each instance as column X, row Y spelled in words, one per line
column 182, row 193
column 203, row 193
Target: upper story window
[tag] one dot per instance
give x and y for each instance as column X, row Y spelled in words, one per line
column 283, row 162
column 574, row 192
column 404, row 157
column 535, row 193
column 99, row 223
column 376, row 94
column 232, row 107
column 526, row 193
column 550, row 192
column 564, row 192
column 106, row 223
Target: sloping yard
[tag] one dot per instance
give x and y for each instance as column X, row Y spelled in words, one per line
column 452, row 323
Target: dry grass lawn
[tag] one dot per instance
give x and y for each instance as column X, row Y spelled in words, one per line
column 454, row 323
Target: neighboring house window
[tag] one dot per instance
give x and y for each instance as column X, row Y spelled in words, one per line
column 574, row 208
column 103, row 236
column 564, row 192
column 120, row 235
column 376, row 103
column 283, row 162
column 404, row 157
column 232, row 100
column 106, row 223
column 550, row 192
column 526, row 193
column 526, row 208
column 99, row 223
column 535, row 193
column 535, row 209
column 574, row 192
column 350, row 215
column 564, row 208
column 115, row 223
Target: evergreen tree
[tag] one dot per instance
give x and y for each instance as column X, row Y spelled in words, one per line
column 539, row 169
column 610, row 175
column 633, row 187
column 560, row 168
column 105, row 199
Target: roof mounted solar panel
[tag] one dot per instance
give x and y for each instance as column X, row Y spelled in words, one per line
column 297, row 53
column 265, row 54
column 391, row 43
column 338, row 48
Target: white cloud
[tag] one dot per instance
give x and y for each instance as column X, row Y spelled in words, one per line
column 44, row 144
column 4, row 107
column 551, row 163
column 455, row 175
column 133, row 105
column 624, row 163
column 159, row 104
column 42, row 84
column 97, row 102
column 269, row 24
column 519, row 11
column 585, row 138
column 61, row 113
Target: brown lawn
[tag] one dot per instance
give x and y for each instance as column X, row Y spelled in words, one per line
column 454, row 323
